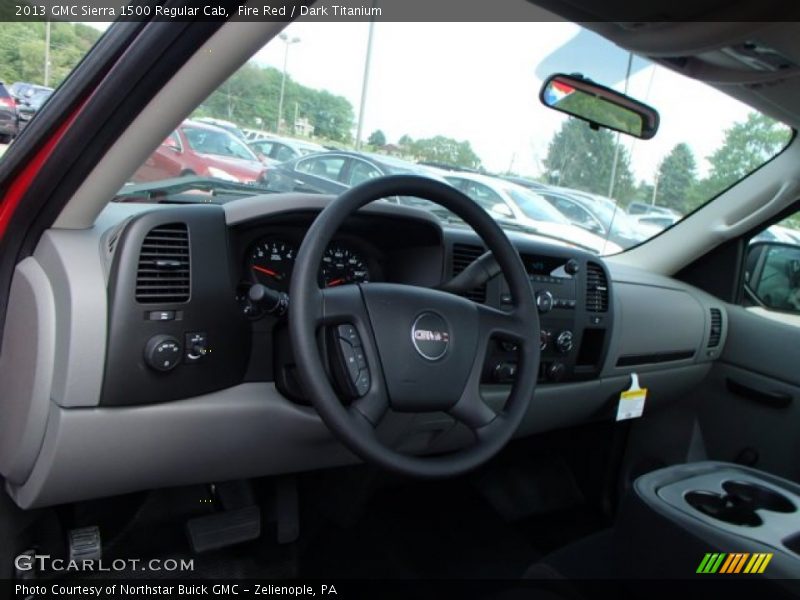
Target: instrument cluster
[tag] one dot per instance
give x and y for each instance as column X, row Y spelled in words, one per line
column 270, row 262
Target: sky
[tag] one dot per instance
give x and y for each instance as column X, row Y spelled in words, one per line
column 478, row 82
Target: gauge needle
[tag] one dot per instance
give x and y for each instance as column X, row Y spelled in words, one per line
column 335, row 282
column 269, row 272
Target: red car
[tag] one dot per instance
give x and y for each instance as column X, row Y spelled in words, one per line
column 201, row 149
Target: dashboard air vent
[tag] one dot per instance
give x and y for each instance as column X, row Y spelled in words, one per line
column 463, row 256
column 715, row 334
column 596, row 289
column 163, row 274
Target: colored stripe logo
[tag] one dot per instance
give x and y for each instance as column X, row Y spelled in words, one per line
column 734, row 562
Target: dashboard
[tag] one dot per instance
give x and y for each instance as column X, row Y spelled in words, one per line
column 146, row 364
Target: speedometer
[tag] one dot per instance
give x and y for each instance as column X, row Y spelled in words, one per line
column 271, row 262
column 342, row 265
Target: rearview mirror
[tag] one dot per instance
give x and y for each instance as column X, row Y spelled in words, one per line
column 599, row 106
column 772, row 275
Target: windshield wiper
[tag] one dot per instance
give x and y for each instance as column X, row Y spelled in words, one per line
column 169, row 190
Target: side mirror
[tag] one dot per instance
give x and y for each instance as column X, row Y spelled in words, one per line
column 594, row 227
column 599, row 106
column 502, row 210
column 772, row 275
column 171, row 144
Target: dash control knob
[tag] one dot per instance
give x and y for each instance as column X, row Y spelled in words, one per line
column 163, row 352
column 572, row 267
column 564, row 341
column 544, row 301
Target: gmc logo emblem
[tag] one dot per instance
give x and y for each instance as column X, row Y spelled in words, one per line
column 427, row 335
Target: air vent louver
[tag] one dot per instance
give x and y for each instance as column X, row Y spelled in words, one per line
column 163, row 275
column 596, row 289
column 463, row 256
column 715, row 334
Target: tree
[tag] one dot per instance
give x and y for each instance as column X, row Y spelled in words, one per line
column 582, row 158
column 252, row 94
column 441, row 149
column 747, row 145
column 405, row 141
column 22, row 50
column 377, row 138
column 677, row 177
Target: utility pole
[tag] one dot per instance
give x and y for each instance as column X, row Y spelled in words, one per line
column 365, row 81
column 288, row 42
column 47, row 53
column 655, row 189
column 616, row 146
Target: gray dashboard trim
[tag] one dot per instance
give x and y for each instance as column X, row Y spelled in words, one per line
column 26, row 372
column 250, row 430
column 71, row 259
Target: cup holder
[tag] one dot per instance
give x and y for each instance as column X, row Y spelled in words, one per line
column 724, row 507
column 739, row 503
column 759, row 496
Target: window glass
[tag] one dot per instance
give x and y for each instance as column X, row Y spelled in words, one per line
column 327, row 167
column 772, row 267
column 361, row 171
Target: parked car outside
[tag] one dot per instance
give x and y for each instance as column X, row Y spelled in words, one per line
column 596, row 214
column 9, row 116
column 30, row 106
column 21, row 90
column 336, row 171
column 223, row 124
column 651, row 224
column 777, row 233
column 526, row 182
column 275, row 149
column 197, row 148
column 645, row 208
column 516, row 203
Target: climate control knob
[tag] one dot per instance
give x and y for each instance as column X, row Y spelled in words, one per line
column 163, row 352
column 564, row 341
column 556, row 371
column 544, row 339
column 544, row 301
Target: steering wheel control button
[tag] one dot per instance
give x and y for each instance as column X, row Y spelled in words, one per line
column 196, row 346
column 362, row 382
column 161, row 315
column 349, row 357
column 430, row 336
column 163, row 352
column 350, row 333
column 361, row 360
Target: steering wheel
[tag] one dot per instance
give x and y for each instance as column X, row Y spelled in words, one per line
column 424, row 349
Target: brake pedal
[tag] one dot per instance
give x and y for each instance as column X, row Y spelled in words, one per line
column 223, row 529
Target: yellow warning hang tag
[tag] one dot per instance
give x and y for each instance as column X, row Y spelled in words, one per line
column 631, row 401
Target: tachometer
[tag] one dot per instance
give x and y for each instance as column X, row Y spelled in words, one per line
column 342, row 265
column 271, row 262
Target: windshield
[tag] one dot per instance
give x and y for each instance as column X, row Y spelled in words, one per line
column 534, row 206
column 467, row 108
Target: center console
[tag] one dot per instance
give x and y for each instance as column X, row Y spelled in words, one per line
column 573, row 298
column 712, row 519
